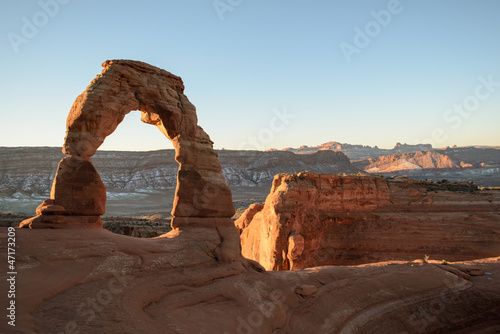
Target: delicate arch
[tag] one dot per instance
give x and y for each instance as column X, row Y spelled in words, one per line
column 123, row 86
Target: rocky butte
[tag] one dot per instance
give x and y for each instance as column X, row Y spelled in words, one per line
column 74, row 277
column 312, row 219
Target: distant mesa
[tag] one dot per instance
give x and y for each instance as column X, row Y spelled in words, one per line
column 358, row 152
column 405, row 148
column 407, row 161
column 455, row 162
column 129, row 172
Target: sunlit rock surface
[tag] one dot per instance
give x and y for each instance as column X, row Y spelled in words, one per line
column 94, row 281
column 313, row 219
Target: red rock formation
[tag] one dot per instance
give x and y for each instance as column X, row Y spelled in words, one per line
column 407, row 161
column 78, row 188
column 317, row 219
column 97, row 282
column 124, row 86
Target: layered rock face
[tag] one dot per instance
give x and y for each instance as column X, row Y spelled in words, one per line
column 408, row 161
column 254, row 168
column 156, row 170
column 479, row 164
column 359, row 152
column 123, row 86
column 313, row 219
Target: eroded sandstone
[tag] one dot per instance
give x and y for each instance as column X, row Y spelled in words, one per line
column 313, row 219
column 78, row 188
column 123, row 86
column 95, row 281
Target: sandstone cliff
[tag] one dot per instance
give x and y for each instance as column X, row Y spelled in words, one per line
column 312, row 220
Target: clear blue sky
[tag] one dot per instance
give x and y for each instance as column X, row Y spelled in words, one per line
column 243, row 61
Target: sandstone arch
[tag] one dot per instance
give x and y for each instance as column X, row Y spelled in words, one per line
column 78, row 195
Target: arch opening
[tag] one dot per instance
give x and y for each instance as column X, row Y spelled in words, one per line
column 124, row 85
column 137, row 166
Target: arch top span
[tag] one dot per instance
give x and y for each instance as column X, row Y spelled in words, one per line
column 123, row 86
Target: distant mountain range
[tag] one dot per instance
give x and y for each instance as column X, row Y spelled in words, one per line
column 26, row 173
column 480, row 164
column 358, row 152
column 362, row 152
column 465, row 158
column 30, row 170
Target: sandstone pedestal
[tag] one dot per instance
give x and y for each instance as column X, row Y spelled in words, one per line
column 78, row 188
column 78, row 198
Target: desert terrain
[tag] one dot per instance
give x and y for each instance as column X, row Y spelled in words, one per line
column 292, row 241
column 94, row 281
column 143, row 183
column 250, row 167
